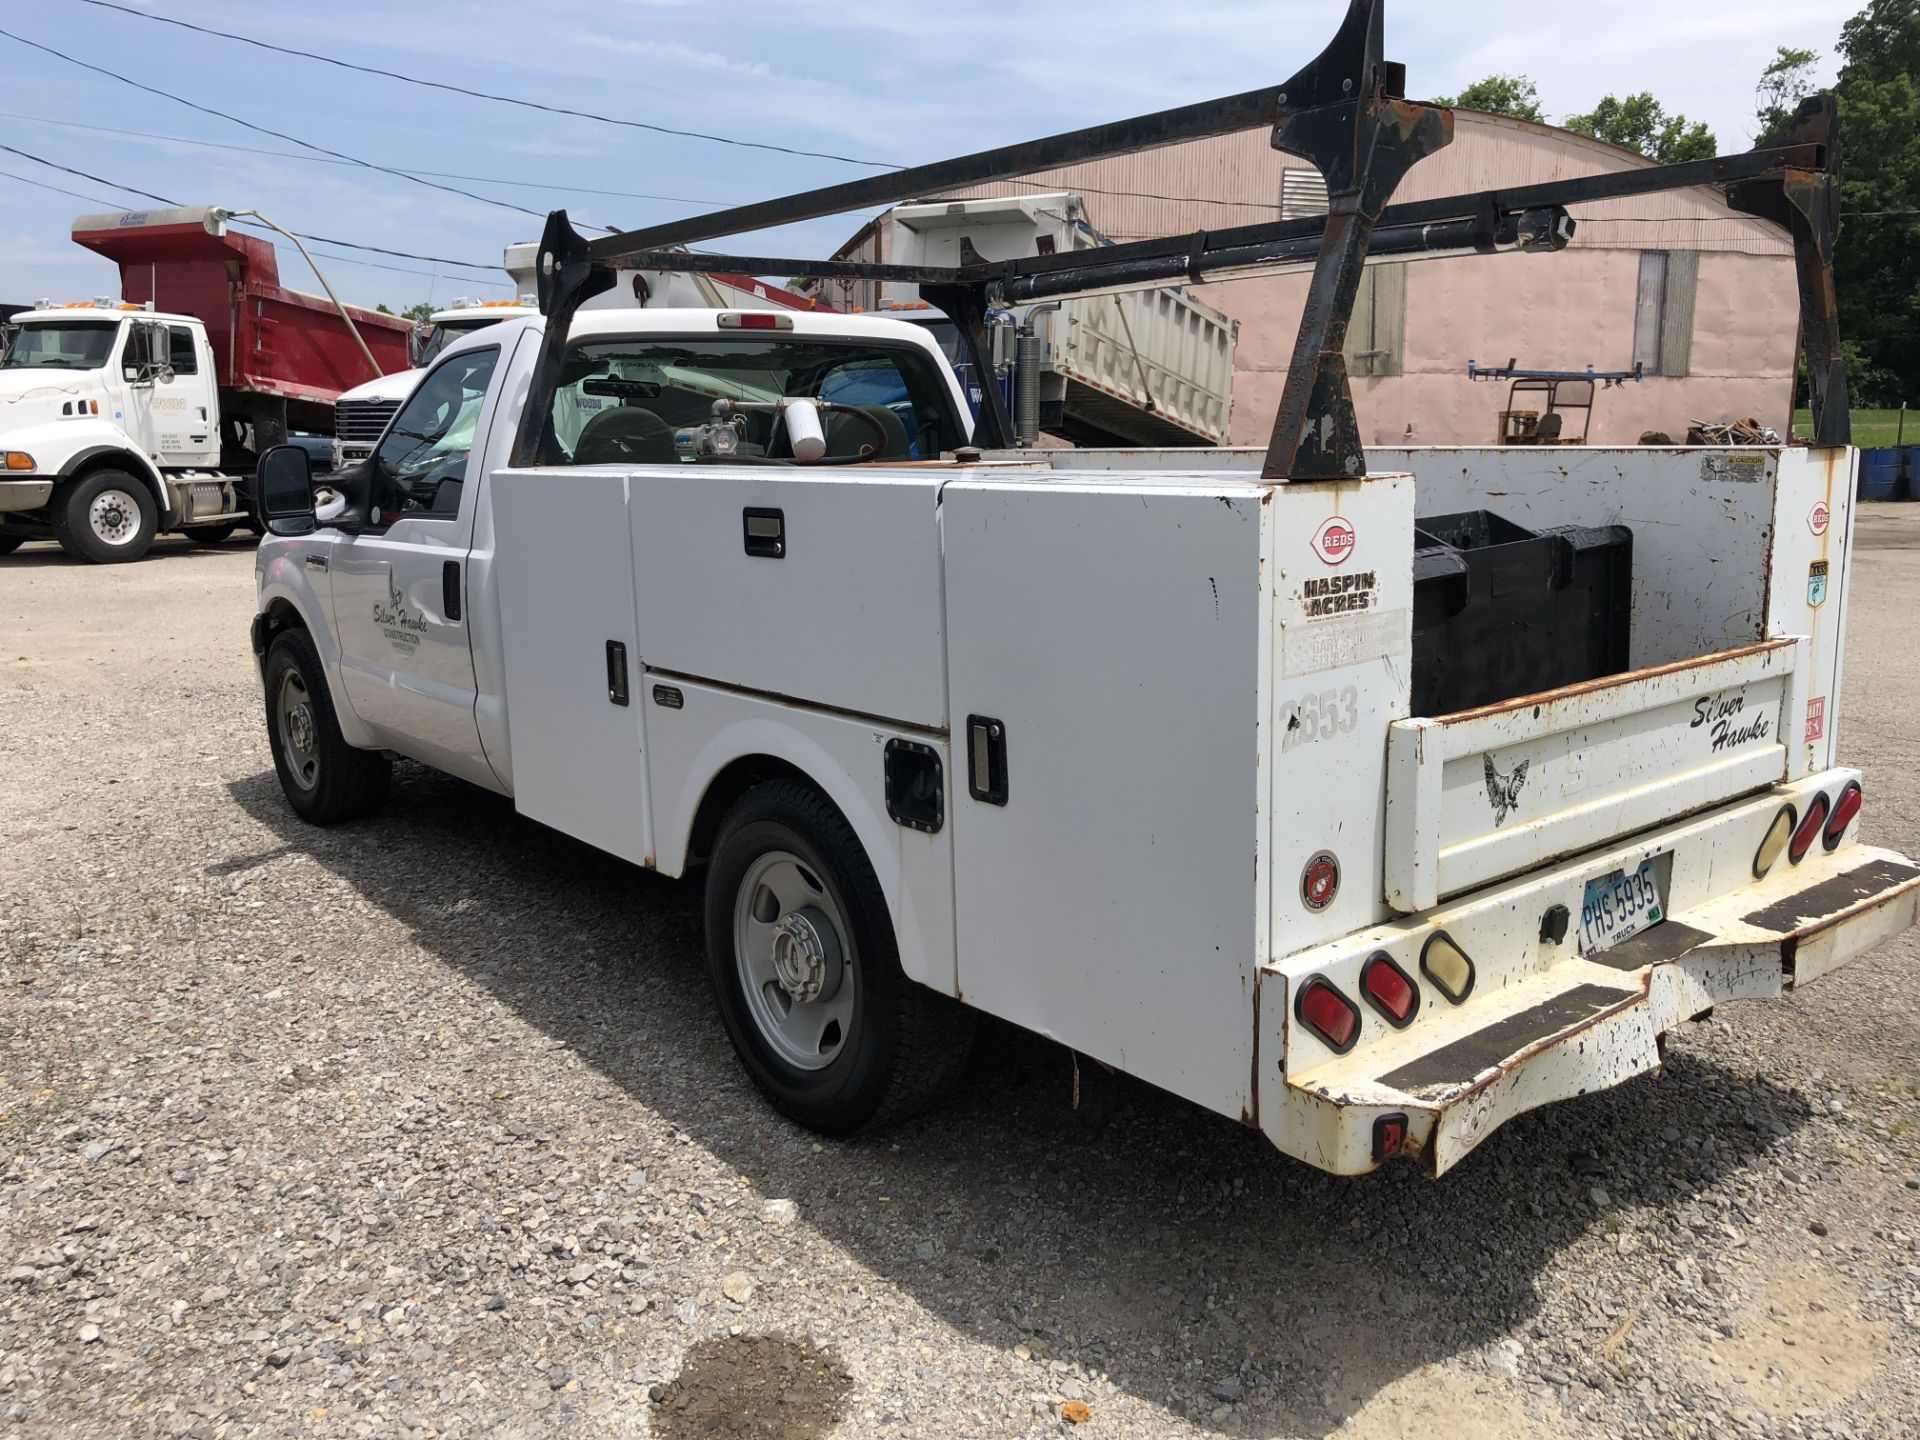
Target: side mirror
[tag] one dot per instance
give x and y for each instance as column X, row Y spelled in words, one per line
column 418, row 339
column 283, row 487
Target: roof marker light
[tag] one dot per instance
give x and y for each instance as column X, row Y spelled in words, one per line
column 1775, row 841
column 1448, row 966
column 1844, row 809
column 1329, row 1014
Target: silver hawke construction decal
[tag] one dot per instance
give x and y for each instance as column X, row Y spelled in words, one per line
column 1727, row 720
column 1504, row 790
column 400, row 625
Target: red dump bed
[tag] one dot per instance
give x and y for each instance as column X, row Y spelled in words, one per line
column 266, row 340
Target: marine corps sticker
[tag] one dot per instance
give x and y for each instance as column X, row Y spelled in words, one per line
column 1320, row 881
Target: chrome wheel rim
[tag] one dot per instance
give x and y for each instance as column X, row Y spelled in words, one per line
column 114, row 517
column 299, row 739
column 794, row 960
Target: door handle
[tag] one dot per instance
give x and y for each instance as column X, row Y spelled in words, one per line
column 450, row 589
column 616, row 672
column 765, row 532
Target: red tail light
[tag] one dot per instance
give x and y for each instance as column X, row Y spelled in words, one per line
column 1390, row 990
column 1329, row 1014
column 1811, row 825
column 1844, row 809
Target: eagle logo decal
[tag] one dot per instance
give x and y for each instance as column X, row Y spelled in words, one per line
column 1504, row 790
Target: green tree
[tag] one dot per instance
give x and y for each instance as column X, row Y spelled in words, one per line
column 1642, row 123
column 1787, row 80
column 419, row 314
column 1514, row 95
column 1877, row 283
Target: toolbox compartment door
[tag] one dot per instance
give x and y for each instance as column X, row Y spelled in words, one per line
column 1482, row 794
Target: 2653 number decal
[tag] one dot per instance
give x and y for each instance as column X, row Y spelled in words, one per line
column 1319, row 717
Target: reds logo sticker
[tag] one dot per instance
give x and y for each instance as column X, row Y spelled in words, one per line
column 1320, row 881
column 1333, row 542
column 1818, row 520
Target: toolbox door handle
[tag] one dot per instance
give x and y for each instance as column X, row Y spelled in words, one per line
column 616, row 672
column 765, row 532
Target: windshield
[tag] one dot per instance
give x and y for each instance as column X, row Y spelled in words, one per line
column 623, row 400
column 445, row 332
column 69, row 345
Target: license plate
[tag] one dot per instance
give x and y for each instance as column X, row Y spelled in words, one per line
column 1618, row 907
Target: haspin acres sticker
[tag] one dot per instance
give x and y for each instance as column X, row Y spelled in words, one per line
column 1333, row 542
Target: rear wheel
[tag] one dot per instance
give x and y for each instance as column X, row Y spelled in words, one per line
column 11, row 543
column 801, row 952
column 108, row 516
column 325, row 779
column 208, row 534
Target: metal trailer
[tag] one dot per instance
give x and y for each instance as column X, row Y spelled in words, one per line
column 1129, row 754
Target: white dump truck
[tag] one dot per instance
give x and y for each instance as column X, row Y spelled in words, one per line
column 1151, row 366
column 1193, row 771
column 121, row 420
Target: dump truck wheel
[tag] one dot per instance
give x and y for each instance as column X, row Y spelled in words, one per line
column 208, row 534
column 11, row 543
column 801, row 952
column 108, row 517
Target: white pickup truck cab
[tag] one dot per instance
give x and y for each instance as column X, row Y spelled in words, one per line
column 110, row 432
column 1123, row 748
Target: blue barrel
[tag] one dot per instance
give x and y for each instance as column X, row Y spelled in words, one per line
column 1910, row 472
column 1880, row 474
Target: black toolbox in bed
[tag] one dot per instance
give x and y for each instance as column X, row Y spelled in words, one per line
column 1500, row 611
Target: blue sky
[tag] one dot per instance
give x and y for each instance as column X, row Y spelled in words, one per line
column 904, row 83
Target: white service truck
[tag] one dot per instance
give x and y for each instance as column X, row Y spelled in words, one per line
column 1167, row 762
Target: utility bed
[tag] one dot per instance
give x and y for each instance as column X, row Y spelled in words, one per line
column 1192, row 670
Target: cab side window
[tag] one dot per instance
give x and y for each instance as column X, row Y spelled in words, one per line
column 421, row 463
column 181, row 355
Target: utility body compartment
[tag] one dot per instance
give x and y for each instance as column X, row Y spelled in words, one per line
column 1208, row 783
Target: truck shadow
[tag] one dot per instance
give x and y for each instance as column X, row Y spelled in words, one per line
column 1144, row 1237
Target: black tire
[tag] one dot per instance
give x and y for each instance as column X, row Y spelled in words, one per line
column 208, row 534
column 11, row 543
column 122, row 530
column 325, row 779
column 904, row 1044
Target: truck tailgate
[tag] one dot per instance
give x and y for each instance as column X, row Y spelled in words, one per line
column 1482, row 794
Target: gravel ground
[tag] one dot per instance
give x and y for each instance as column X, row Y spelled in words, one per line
column 426, row 1126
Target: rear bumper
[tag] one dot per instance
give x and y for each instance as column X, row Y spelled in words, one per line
column 25, row 494
column 1548, row 1023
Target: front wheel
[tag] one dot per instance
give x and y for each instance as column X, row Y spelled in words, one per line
column 325, row 779
column 801, row 953
column 107, row 517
